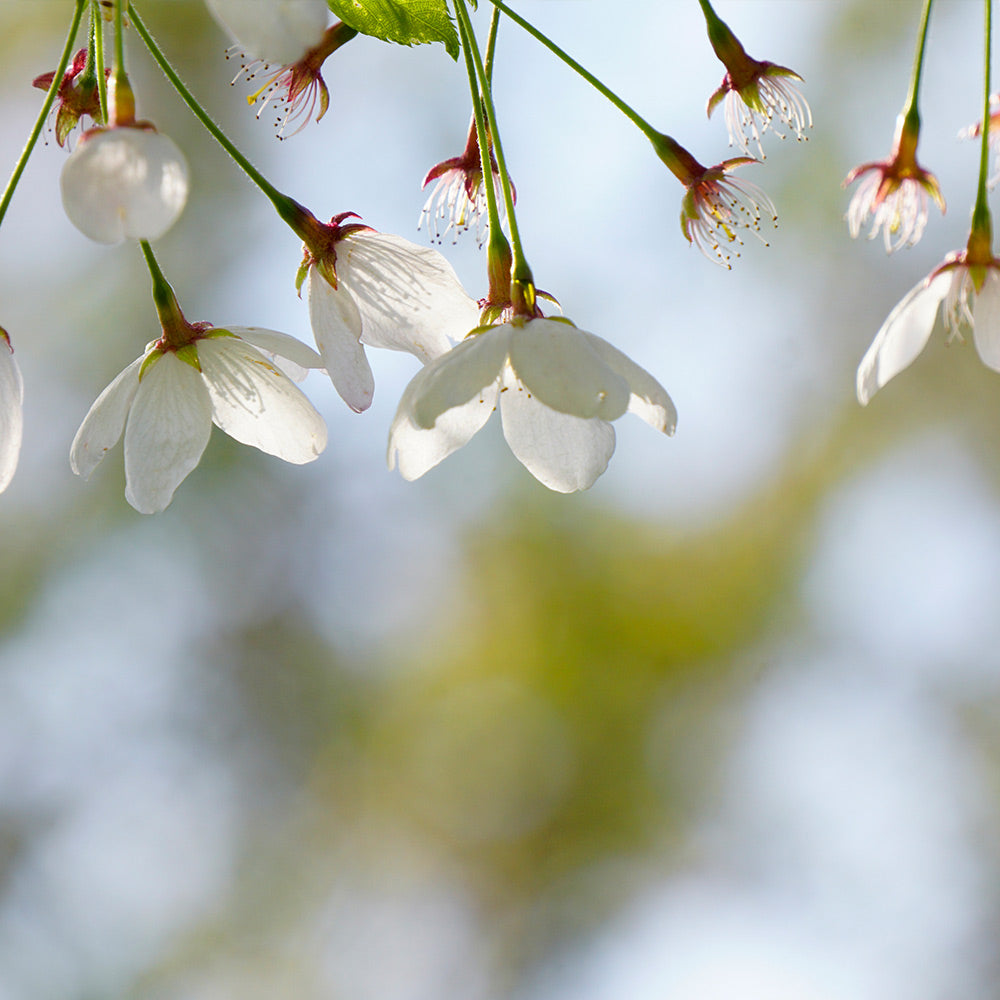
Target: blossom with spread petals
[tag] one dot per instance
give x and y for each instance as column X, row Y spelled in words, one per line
column 11, row 421
column 968, row 284
column 379, row 290
column 458, row 200
column 758, row 95
column 126, row 181
column 286, row 42
column 895, row 193
column 167, row 400
column 557, row 388
column 76, row 97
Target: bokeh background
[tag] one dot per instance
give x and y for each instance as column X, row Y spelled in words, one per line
column 726, row 726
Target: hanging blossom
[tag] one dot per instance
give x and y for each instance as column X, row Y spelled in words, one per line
column 967, row 283
column 77, row 97
column 558, row 389
column 458, row 202
column 11, row 419
column 895, row 193
column 758, row 95
column 716, row 207
column 167, row 400
column 124, row 180
column 286, row 42
column 975, row 131
column 379, row 290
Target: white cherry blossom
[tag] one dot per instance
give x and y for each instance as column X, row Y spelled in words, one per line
column 124, row 182
column 557, row 388
column 906, row 330
column 11, row 420
column 166, row 402
column 389, row 293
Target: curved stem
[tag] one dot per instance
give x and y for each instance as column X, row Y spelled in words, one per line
column 50, row 97
column 97, row 41
column 491, row 43
column 910, row 108
column 289, row 210
column 629, row 112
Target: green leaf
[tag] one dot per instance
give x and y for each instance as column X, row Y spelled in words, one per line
column 407, row 22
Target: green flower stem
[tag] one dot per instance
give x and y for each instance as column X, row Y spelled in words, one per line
column 97, row 46
column 163, row 295
column 491, row 44
column 64, row 61
column 522, row 281
column 910, row 112
column 629, row 112
column 482, row 135
column 981, row 220
column 290, row 211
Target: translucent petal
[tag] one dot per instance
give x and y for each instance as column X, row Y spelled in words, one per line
column 986, row 320
column 563, row 452
column 258, row 405
column 903, row 335
column 458, row 377
column 167, row 431
column 11, row 419
column 409, row 297
column 415, row 449
column 648, row 399
column 275, row 31
column 124, row 182
column 290, row 355
column 556, row 363
column 102, row 427
column 336, row 326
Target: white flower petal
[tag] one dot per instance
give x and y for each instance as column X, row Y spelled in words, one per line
column 903, row 335
column 556, row 363
column 336, row 325
column 255, row 403
column 563, row 452
column 274, row 31
column 280, row 345
column 124, row 182
column 648, row 399
column 11, row 413
column 416, row 449
column 986, row 320
column 408, row 296
column 167, row 431
column 103, row 425
column 462, row 375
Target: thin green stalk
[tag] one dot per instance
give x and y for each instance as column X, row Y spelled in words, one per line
column 981, row 213
column 285, row 206
column 647, row 130
column 491, row 43
column 521, row 273
column 482, row 136
column 910, row 108
column 50, row 97
column 119, row 56
column 97, row 43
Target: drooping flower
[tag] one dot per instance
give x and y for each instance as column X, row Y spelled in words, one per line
column 457, row 202
column 557, row 388
column 895, row 193
column 126, row 181
column 286, row 42
column 379, row 290
column 758, row 95
column 11, row 419
column 975, row 131
column 967, row 282
column 77, row 96
column 167, row 400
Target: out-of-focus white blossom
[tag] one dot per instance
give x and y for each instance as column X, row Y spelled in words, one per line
column 11, row 418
